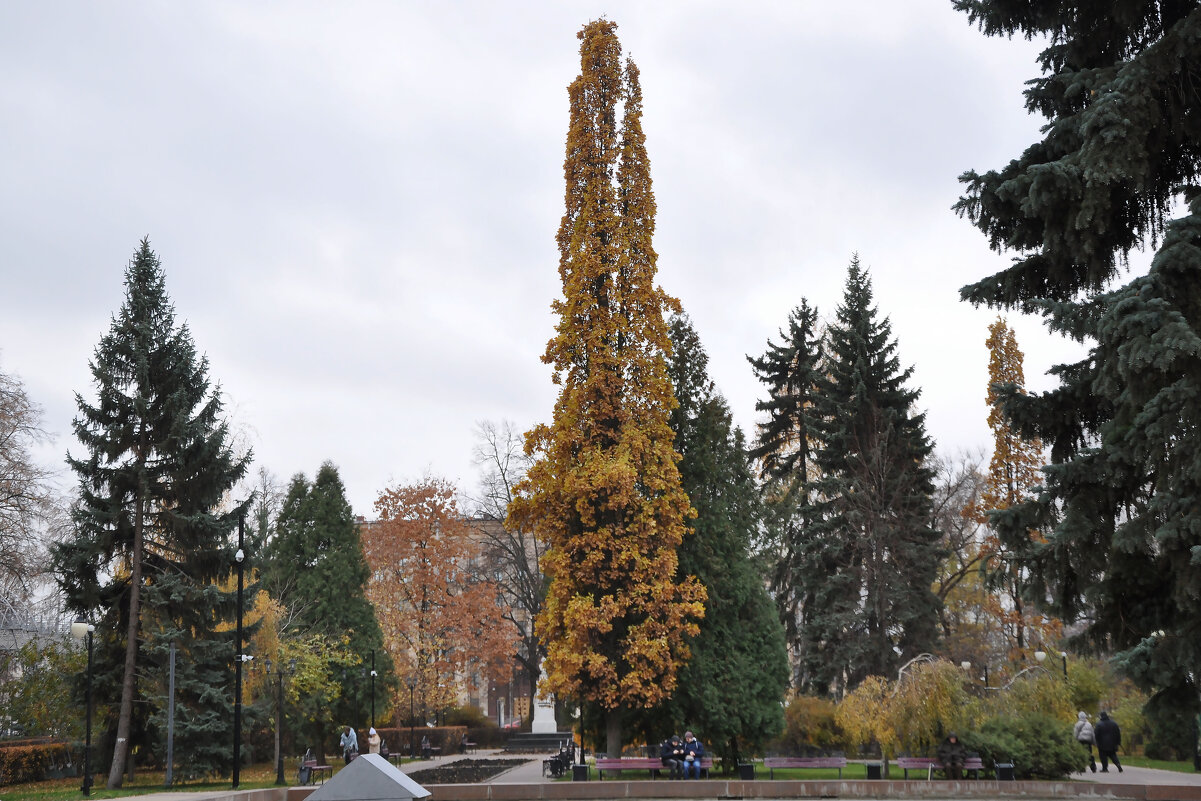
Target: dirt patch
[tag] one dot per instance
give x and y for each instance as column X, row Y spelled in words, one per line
column 463, row 771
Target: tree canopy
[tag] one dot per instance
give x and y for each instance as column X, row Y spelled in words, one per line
column 729, row 691
column 1116, row 170
column 604, row 488
column 151, row 540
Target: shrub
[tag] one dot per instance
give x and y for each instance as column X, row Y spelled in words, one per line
column 1039, row 746
column 30, row 763
column 809, row 725
column 1170, row 715
column 468, row 716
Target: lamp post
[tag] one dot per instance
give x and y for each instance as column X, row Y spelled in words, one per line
column 79, row 630
column 412, row 682
column 1064, row 654
column 239, row 557
column 279, row 714
column 373, row 675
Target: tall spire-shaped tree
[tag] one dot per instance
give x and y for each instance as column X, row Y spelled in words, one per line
column 1120, row 154
column 1013, row 474
column 158, row 466
column 785, row 447
column 873, row 555
column 604, row 489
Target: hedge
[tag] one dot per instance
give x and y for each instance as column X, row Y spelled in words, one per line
column 31, row 763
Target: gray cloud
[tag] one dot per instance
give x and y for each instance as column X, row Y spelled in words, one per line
column 356, row 203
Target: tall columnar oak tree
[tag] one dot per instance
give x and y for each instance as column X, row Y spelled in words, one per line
column 158, row 466
column 441, row 619
column 1120, row 149
column 871, row 554
column 1013, row 475
column 604, row 489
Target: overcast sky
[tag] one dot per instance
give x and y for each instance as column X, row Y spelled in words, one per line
column 355, row 203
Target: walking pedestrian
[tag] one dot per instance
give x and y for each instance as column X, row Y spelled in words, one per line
column 1083, row 732
column 1108, row 736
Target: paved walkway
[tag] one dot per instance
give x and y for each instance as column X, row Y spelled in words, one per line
column 527, row 769
column 1133, row 775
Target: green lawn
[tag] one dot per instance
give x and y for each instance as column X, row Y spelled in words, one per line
column 1159, row 764
column 252, row 777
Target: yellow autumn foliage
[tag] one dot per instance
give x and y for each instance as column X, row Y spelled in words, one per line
column 604, row 490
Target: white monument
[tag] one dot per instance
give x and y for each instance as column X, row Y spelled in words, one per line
column 544, row 712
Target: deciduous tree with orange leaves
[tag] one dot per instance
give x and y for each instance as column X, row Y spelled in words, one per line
column 1013, row 472
column 604, row 488
column 441, row 621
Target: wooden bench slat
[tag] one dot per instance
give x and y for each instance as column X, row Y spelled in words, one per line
column 653, row 764
column 931, row 764
column 771, row 763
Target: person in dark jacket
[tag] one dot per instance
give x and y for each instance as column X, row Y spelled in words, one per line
column 694, row 752
column 671, row 753
column 951, row 755
column 1108, row 736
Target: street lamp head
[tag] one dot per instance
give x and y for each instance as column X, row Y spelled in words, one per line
column 411, row 682
column 1040, row 656
column 291, row 666
column 374, row 674
column 267, row 665
column 239, row 556
column 966, row 665
column 80, row 628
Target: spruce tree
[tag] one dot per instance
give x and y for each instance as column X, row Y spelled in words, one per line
column 784, row 451
column 317, row 570
column 1120, row 155
column 730, row 690
column 604, row 490
column 870, row 553
column 151, row 539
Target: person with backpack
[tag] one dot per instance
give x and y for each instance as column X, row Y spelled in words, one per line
column 1083, row 732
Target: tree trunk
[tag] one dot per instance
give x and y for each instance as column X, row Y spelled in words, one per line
column 121, row 749
column 613, row 733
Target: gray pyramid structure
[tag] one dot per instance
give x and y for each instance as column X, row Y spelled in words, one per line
column 369, row 777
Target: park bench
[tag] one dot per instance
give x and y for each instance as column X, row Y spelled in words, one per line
column 653, row 764
column 310, row 770
column 931, row 764
column 469, row 747
column 771, row 763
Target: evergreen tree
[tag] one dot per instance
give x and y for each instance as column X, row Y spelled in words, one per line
column 786, row 441
column 605, row 491
column 317, row 570
column 870, row 554
column 730, row 690
column 1120, row 149
column 150, row 546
